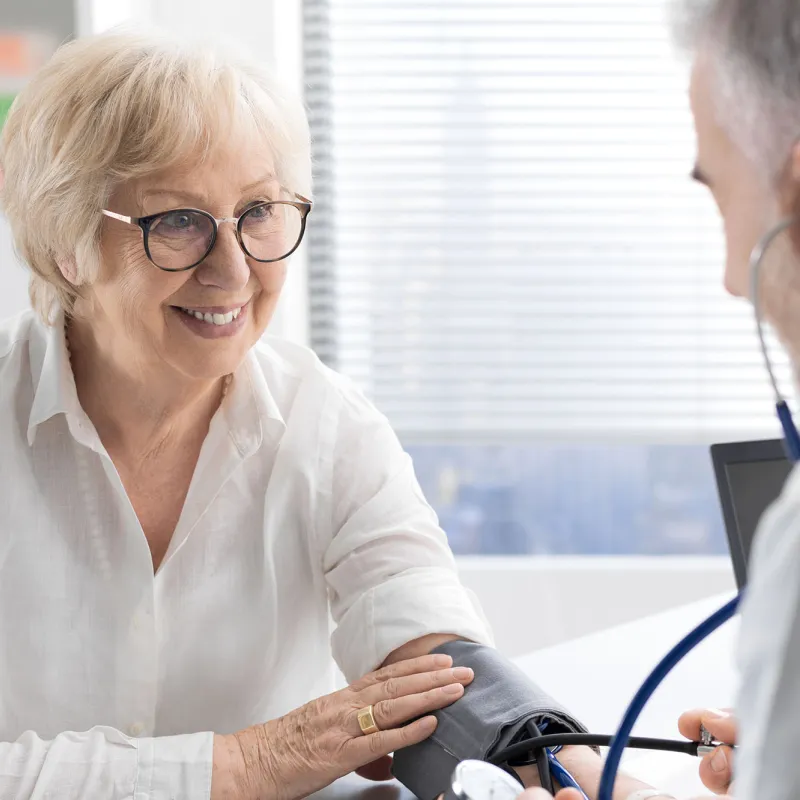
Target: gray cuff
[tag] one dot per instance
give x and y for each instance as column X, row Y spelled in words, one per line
column 492, row 712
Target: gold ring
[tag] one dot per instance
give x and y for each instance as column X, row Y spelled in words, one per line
column 366, row 721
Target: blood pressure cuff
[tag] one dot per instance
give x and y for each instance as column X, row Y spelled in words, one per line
column 491, row 715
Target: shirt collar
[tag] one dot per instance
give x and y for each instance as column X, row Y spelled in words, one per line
column 54, row 384
column 250, row 409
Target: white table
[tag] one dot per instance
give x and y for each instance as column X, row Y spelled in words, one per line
column 595, row 677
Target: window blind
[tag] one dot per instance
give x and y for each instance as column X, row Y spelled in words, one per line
column 506, row 242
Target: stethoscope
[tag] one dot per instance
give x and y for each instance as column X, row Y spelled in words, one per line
column 479, row 780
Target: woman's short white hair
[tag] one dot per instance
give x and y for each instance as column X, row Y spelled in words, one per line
column 115, row 107
column 754, row 47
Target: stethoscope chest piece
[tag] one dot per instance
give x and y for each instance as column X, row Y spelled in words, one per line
column 478, row 780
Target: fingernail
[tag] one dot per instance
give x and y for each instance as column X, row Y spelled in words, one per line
column 716, row 713
column 442, row 660
column 462, row 673
column 453, row 688
column 719, row 761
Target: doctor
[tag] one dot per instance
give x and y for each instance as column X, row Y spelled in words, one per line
column 745, row 98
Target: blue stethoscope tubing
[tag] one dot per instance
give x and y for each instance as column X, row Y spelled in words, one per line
column 716, row 620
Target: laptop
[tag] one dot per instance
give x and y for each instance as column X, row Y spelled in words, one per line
column 750, row 476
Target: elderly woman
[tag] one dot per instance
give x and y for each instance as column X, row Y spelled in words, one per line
column 187, row 502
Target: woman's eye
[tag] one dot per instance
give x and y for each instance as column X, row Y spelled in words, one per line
column 260, row 212
column 180, row 220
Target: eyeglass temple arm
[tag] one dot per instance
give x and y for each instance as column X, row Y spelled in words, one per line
column 121, row 217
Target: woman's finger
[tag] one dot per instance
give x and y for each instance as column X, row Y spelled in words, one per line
column 412, row 666
column 396, row 711
column 716, row 770
column 363, row 749
column 412, row 684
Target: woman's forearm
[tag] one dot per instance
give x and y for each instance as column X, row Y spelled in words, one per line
column 587, row 767
column 581, row 762
column 418, row 647
column 228, row 778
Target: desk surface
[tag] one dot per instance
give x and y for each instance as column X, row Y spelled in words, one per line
column 596, row 676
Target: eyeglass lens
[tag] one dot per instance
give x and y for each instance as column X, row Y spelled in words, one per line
column 181, row 238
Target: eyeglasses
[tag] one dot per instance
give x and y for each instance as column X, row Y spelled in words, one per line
column 180, row 239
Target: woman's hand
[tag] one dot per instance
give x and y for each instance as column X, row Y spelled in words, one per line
column 716, row 769
column 314, row 745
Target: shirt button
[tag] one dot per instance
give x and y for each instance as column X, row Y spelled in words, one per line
column 136, row 729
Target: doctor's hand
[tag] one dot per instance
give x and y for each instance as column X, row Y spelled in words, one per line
column 716, row 769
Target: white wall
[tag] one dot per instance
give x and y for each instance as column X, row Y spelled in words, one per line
column 13, row 276
column 537, row 602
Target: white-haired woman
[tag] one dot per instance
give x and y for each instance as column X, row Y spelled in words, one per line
column 182, row 504
column 186, row 503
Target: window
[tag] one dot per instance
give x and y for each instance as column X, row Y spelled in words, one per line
column 508, row 256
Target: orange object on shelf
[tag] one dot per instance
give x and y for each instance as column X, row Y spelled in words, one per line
column 22, row 53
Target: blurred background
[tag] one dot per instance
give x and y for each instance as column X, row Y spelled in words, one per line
column 507, row 254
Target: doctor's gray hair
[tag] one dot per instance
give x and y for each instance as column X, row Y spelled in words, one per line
column 754, row 50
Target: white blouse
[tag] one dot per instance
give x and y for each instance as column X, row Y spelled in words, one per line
column 303, row 506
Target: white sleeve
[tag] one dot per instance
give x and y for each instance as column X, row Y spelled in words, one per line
column 390, row 573
column 104, row 763
column 769, row 658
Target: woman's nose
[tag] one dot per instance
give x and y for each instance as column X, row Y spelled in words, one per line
column 226, row 265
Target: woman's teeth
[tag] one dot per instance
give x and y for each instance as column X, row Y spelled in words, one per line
column 213, row 319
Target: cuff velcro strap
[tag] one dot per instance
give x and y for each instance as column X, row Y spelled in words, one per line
column 491, row 714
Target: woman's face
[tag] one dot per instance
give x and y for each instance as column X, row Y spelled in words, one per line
column 137, row 311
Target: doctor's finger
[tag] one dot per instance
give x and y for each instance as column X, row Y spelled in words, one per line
column 716, row 770
column 720, row 723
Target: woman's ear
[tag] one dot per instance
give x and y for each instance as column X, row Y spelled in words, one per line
column 68, row 267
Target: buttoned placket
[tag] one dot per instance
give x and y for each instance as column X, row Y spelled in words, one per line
column 221, row 454
column 137, row 662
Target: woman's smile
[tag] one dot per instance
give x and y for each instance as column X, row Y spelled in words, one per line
column 213, row 322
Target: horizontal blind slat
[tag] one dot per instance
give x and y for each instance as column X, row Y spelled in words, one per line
column 505, row 239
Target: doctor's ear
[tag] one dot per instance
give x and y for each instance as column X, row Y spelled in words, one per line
column 789, row 194
column 791, row 180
